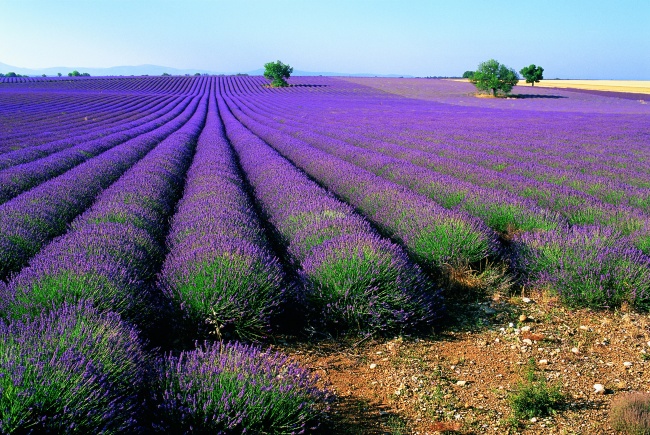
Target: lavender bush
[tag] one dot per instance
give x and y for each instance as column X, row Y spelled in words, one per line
column 630, row 414
column 234, row 388
column 586, row 266
column 70, row 371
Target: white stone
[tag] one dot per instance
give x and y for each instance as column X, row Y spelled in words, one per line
column 543, row 362
column 373, row 365
column 461, row 383
column 575, row 350
column 533, row 420
column 528, row 341
column 599, row 389
column 525, row 328
column 627, row 364
column 526, row 300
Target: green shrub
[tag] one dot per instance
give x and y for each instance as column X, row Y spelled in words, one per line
column 534, row 397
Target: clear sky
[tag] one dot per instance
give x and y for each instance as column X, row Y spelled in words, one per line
column 589, row 39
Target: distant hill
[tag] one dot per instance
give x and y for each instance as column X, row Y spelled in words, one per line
column 138, row 70
column 156, row 70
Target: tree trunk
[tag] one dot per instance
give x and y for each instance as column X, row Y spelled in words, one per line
column 494, row 92
column 532, row 83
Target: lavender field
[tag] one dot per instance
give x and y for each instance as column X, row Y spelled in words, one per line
column 152, row 228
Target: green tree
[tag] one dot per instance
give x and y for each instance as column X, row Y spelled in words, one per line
column 493, row 76
column 468, row 74
column 532, row 74
column 74, row 73
column 58, row 74
column 277, row 72
column 12, row 74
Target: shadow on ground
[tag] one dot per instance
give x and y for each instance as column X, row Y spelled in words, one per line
column 534, row 96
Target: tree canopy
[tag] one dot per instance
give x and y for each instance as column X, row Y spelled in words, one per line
column 468, row 74
column 532, row 73
column 277, row 72
column 494, row 76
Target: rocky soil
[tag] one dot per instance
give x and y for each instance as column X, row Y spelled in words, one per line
column 460, row 379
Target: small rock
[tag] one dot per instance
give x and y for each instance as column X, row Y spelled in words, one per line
column 523, row 318
column 373, row 365
column 575, row 350
column 648, row 343
column 543, row 362
column 533, row 420
column 526, row 300
column 599, row 389
column 461, row 383
column 584, row 328
column 528, row 341
column 627, row 364
column 525, row 328
column 512, row 325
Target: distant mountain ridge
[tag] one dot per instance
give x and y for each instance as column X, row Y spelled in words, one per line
column 156, row 70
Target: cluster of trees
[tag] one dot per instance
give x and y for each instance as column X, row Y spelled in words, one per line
column 76, row 73
column 496, row 77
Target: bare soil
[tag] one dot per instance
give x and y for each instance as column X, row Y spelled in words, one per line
column 459, row 380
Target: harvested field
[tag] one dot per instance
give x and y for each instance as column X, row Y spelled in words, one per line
column 625, row 86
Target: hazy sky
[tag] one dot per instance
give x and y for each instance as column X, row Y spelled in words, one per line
column 569, row 38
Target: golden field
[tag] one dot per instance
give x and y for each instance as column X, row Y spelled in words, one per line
column 632, row 86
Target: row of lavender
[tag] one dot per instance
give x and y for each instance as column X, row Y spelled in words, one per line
column 74, row 317
column 87, row 120
column 35, row 115
column 597, row 265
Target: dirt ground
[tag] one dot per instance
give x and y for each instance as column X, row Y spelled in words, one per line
column 460, row 379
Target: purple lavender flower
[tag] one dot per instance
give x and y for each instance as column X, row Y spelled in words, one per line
column 234, row 388
column 71, row 370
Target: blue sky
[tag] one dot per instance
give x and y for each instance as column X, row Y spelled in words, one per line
column 569, row 38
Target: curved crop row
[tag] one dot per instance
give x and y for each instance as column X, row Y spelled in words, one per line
column 30, row 220
column 131, row 117
column 220, row 272
column 434, row 235
column 576, row 207
column 114, row 247
column 354, row 279
column 29, row 124
column 17, row 179
column 499, row 210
